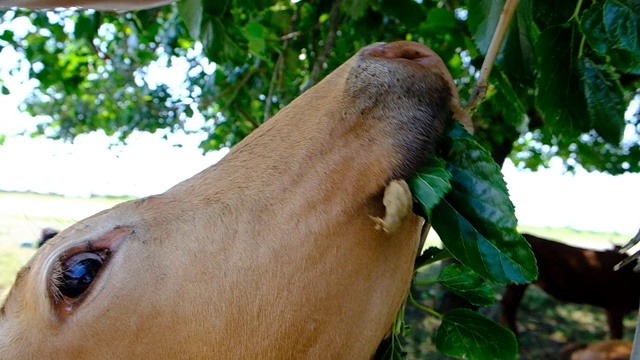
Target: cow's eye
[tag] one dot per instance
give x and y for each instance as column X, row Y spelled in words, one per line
column 78, row 272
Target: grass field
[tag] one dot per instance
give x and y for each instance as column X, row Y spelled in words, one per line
column 23, row 215
column 546, row 325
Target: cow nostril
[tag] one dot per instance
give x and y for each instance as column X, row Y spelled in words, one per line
column 410, row 54
column 78, row 272
column 403, row 50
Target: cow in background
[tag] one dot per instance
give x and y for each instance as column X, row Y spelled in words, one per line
column 582, row 276
column 46, row 234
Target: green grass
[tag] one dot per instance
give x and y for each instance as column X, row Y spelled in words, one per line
column 23, row 215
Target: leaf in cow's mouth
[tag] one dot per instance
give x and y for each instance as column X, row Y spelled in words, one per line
column 475, row 219
column 463, row 195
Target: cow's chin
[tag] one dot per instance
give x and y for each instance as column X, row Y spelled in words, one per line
column 271, row 253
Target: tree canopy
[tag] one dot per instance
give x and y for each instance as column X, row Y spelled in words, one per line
column 565, row 75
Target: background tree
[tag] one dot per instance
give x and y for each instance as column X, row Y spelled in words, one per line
column 565, row 76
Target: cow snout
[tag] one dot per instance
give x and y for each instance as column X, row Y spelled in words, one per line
column 407, row 86
column 403, row 50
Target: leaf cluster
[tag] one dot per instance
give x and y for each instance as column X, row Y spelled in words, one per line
column 566, row 73
column 462, row 193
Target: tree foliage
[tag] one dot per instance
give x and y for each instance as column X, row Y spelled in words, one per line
column 566, row 73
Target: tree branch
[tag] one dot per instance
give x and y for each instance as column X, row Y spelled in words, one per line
column 272, row 85
column 277, row 71
column 334, row 22
column 245, row 115
column 480, row 90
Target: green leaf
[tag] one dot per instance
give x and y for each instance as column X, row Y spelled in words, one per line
column 430, row 184
column 622, row 22
column 5, row 90
column 466, row 283
column 476, row 220
column 605, row 101
column 560, row 95
column 467, row 334
column 7, row 35
column 592, row 26
column 513, row 108
column 217, row 8
column 408, row 12
column 256, row 35
column 191, row 14
column 188, row 111
column 440, row 19
column 483, row 20
column 85, row 28
column 516, row 56
column 223, row 41
column 431, row 255
column 2, row 138
column 625, row 61
column 356, row 8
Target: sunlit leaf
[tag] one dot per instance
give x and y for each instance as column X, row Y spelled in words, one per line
column 256, row 34
column 356, row 8
column 191, row 14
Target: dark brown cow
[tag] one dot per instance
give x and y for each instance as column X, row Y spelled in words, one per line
column 580, row 276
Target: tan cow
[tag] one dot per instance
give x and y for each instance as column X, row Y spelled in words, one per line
column 614, row 349
column 270, row 253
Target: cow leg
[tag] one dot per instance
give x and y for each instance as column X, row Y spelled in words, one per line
column 614, row 320
column 511, row 300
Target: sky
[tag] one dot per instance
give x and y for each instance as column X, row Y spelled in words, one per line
column 149, row 164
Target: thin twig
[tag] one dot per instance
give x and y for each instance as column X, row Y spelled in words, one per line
column 480, row 91
column 277, row 71
column 272, row 85
column 426, row 309
column 334, row 22
column 290, row 35
column 245, row 115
